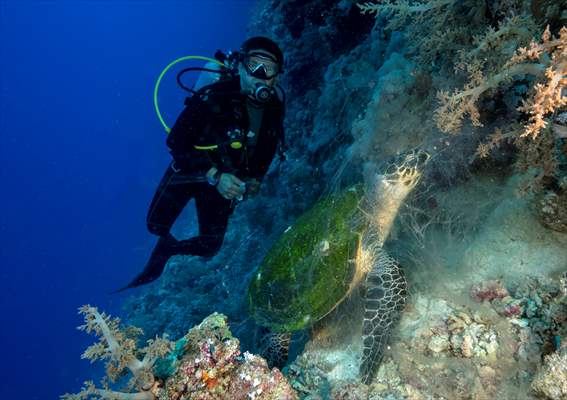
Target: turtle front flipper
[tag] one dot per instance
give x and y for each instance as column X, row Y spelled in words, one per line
column 386, row 293
column 274, row 347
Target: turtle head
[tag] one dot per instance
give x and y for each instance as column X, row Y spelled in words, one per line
column 387, row 188
column 406, row 168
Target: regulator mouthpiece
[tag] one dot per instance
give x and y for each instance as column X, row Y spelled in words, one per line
column 263, row 93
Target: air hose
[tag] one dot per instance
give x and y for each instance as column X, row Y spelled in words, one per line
column 171, row 64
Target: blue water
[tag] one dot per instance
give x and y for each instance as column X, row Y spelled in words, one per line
column 81, row 153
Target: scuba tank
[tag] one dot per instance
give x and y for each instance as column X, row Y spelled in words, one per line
column 220, row 67
column 211, row 74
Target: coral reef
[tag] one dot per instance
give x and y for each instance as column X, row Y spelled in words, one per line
column 469, row 331
column 546, row 98
column 488, row 349
column 509, row 58
column 213, row 367
column 512, row 242
column 551, row 207
column 205, row 364
column 551, row 380
column 368, row 81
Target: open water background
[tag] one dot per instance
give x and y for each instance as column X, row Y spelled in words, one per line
column 81, row 152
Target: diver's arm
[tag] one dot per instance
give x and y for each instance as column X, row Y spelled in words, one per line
column 183, row 137
column 268, row 153
column 228, row 185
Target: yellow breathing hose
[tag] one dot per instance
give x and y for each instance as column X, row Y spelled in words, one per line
column 171, row 64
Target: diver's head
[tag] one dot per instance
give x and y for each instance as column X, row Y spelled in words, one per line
column 259, row 67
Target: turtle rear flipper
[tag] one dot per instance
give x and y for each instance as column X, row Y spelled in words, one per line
column 386, row 292
column 274, row 347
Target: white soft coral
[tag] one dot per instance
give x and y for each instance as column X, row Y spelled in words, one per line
column 119, row 350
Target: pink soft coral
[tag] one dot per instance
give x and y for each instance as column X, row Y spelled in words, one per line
column 546, row 60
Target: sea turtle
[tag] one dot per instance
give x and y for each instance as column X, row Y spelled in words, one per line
column 329, row 251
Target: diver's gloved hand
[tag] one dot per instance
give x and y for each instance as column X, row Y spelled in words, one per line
column 230, row 186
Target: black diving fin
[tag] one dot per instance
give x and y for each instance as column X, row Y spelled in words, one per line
column 155, row 265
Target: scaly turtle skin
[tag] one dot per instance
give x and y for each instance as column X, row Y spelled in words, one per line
column 330, row 250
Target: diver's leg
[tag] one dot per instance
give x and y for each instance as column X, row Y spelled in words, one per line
column 213, row 212
column 171, row 197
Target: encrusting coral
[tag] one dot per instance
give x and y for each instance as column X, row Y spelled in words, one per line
column 205, row 364
column 551, row 207
column 488, row 349
column 551, row 380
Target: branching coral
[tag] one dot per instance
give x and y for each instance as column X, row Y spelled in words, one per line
column 506, row 78
column 483, row 67
column 543, row 64
column 437, row 29
column 90, row 391
column 401, row 10
column 546, row 61
column 119, row 349
column 548, row 96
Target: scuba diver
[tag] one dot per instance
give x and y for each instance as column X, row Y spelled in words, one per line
column 222, row 145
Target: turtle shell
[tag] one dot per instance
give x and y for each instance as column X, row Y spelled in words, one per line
column 308, row 271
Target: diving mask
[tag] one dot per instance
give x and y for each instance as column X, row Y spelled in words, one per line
column 261, row 65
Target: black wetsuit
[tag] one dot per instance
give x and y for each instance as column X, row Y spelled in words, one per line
column 211, row 118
